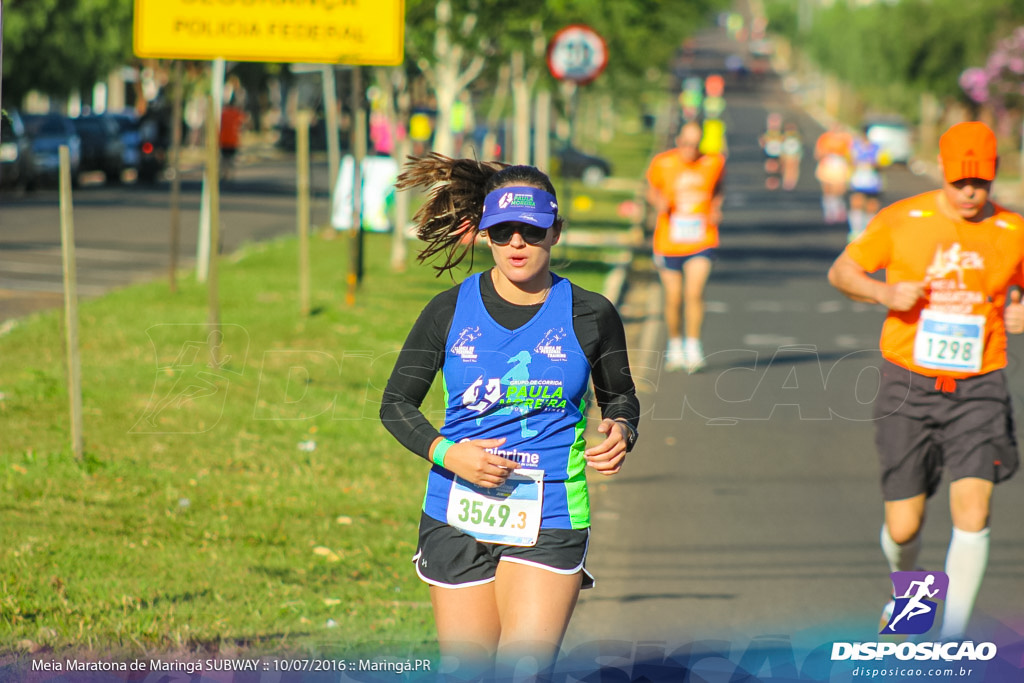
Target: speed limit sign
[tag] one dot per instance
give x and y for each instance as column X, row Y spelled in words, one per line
column 577, row 53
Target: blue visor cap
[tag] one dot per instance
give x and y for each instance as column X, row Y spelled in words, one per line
column 519, row 205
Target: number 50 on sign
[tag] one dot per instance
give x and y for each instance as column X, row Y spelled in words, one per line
column 577, row 53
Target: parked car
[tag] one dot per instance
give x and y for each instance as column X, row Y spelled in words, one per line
column 131, row 138
column 102, row 148
column 17, row 168
column 570, row 162
column 48, row 133
column 154, row 141
column 893, row 137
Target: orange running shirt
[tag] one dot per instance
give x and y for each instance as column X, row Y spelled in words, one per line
column 967, row 269
column 687, row 227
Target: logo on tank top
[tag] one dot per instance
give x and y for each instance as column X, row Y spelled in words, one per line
column 463, row 345
column 688, row 180
column 914, row 595
column 953, row 261
column 549, row 345
column 472, row 399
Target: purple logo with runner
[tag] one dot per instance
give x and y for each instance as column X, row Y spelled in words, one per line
column 914, row 595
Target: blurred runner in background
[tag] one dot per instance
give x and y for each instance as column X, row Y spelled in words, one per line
column 771, row 145
column 832, row 152
column 685, row 188
column 792, row 155
column 865, row 184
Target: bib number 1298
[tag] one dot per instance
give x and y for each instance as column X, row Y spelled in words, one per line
column 946, row 341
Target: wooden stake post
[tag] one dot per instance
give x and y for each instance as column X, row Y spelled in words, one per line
column 355, row 269
column 176, row 173
column 302, row 189
column 213, row 174
column 67, row 240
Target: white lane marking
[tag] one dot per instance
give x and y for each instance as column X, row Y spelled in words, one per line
column 855, row 341
column 834, row 306
column 770, row 340
column 716, row 307
column 777, row 306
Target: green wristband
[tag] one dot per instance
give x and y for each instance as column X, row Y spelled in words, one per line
column 440, row 450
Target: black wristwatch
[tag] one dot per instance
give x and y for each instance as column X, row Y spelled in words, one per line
column 631, row 434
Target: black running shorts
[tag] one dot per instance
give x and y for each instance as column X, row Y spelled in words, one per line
column 451, row 558
column 921, row 430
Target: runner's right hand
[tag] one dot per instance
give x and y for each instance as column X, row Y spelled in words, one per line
column 902, row 296
column 469, row 460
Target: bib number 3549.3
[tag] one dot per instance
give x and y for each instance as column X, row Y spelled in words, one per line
column 509, row 514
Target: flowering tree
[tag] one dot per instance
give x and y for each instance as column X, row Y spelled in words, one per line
column 1001, row 81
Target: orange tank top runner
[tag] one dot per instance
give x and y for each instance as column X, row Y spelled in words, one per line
column 957, row 329
column 687, row 227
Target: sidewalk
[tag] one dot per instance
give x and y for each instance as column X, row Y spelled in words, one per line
column 255, row 147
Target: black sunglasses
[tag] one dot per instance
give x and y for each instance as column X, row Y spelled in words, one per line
column 501, row 234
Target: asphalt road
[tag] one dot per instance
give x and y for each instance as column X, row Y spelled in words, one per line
column 122, row 232
column 749, row 512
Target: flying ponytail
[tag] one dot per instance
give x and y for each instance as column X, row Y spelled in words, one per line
column 455, row 200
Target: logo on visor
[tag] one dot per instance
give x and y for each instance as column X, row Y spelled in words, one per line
column 516, row 199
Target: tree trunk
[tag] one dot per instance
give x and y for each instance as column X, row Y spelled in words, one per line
column 542, row 131
column 447, row 74
column 401, row 149
column 521, row 108
column 495, row 112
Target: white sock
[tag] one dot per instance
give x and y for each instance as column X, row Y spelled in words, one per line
column 966, row 561
column 856, row 218
column 675, row 343
column 693, row 345
column 901, row 558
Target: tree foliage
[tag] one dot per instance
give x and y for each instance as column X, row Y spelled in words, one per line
column 892, row 52
column 640, row 34
column 57, row 46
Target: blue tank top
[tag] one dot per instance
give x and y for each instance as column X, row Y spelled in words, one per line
column 866, row 177
column 526, row 385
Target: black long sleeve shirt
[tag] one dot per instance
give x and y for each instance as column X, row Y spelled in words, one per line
column 595, row 321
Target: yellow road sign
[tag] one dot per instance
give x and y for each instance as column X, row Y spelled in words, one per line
column 326, row 31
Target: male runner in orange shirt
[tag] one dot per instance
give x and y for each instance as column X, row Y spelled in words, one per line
column 685, row 187
column 950, row 257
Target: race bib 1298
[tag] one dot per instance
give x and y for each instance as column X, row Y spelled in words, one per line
column 949, row 341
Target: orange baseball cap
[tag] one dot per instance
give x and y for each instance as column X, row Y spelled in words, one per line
column 968, row 150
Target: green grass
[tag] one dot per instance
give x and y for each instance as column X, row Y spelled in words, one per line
column 209, row 523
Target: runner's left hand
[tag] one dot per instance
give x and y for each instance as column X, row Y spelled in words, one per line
column 607, row 457
column 1014, row 314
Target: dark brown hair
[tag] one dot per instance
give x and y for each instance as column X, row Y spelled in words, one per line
column 456, row 189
